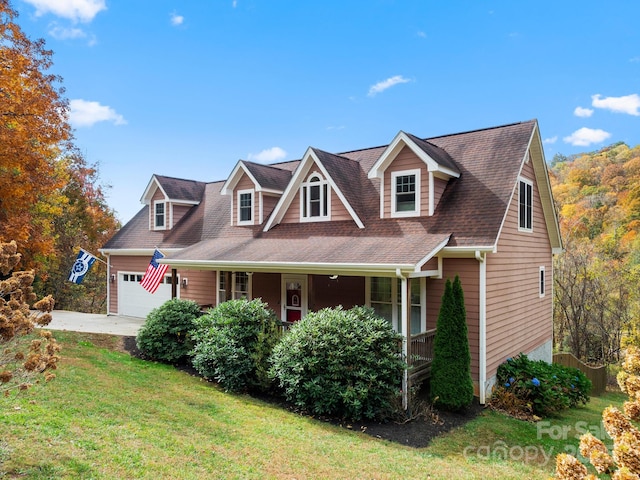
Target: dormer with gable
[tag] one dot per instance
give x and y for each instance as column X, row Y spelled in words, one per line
column 254, row 190
column 169, row 199
column 320, row 191
column 413, row 174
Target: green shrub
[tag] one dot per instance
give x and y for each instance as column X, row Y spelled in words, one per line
column 166, row 333
column 233, row 342
column 339, row 362
column 451, row 383
column 545, row 387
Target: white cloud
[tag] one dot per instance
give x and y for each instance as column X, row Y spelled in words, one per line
column 550, row 140
column 176, row 19
column 421, row 34
column 583, row 112
column 76, row 10
column 235, row 3
column 272, row 154
column 83, row 113
column 586, row 136
column 629, row 104
column 63, row 33
column 385, row 84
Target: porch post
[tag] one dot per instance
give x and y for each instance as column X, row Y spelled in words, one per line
column 406, row 341
column 174, row 283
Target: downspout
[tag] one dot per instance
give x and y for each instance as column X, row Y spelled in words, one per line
column 482, row 360
column 108, row 283
column 405, row 344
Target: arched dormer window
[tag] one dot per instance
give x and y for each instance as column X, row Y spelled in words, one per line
column 315, row 199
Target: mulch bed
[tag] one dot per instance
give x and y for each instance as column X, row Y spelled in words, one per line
column 416, row 433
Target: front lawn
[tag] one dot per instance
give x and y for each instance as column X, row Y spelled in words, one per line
column 109, row 415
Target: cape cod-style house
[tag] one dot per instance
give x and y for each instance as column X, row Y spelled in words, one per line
column 383, row 226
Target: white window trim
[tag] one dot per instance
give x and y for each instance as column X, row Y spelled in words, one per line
column 410, row 213
column 253, row 213
column 529, row 183
column 307, row 184
column 542, row 282
column 166, row 220
column 396, row 320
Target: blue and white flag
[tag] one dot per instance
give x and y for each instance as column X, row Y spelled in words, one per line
column 81, row 266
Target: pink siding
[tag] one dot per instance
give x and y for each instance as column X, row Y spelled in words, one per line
column 431, row 265
column 268, row 204
column 179, row 211
column 345, row 291
column 406, row 160
column 201, row 286
column 518, row 320
column 468, row 270
column 267, row 287
column 438, row 189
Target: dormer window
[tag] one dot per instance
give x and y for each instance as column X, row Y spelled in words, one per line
column 405, row 196
column 245, row 207
column 159, row 215
column 314, row 199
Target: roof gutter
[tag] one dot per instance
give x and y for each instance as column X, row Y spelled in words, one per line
column 380, row 269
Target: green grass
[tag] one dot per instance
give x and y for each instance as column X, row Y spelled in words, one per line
column 108, row 415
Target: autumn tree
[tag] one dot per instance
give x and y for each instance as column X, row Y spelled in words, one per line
column 20, row 359
column 596, row 296
column 34, row 134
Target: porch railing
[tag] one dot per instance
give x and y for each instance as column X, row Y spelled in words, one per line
column 421, row 355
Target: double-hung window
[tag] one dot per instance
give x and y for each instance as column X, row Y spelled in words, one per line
column 314, row 199
column 159, row 215
column 245, row 207
column 525, row 203
column 405, row 193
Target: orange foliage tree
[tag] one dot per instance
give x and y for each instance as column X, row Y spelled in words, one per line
column 34, row 134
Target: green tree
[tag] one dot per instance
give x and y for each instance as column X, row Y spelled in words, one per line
column 451, row 383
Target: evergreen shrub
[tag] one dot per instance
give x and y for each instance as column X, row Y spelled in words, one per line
column 233, row 342
column 166, row 333
column 451, row 383
column 337, row 362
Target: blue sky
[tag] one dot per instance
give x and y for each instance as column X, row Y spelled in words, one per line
column 187, row 88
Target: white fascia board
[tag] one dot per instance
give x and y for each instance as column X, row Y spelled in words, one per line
column 234, row 178
column 289, row 193
column 131, row 252
column 450, row 252
column 182, row 202
column 383, row 269
column 146, row 196
column 432, row 254
column 401, row 140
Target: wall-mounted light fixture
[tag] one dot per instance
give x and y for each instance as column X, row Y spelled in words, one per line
column 185, row 282
column 113, row 277
column 333, row 277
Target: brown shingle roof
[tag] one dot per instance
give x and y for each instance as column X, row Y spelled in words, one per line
column 470, row 211
column 181, row 189
column 269, row 177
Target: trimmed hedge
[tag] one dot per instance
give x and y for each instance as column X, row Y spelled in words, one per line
column 233, row 342
column 337, row 362
column 166, row 333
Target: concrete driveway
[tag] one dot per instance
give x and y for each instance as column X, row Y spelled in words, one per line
column 95, row 323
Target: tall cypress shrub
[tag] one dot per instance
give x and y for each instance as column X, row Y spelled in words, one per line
column 451, row 384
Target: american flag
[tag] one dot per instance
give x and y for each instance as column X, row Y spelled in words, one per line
column 154, row 274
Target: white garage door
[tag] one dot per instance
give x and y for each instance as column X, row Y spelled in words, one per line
column 135, row 301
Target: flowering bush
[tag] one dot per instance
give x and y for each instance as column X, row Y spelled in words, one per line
column 541, row 387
